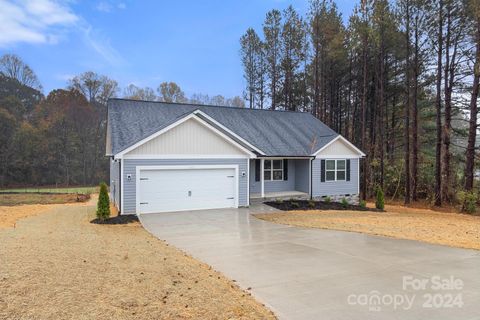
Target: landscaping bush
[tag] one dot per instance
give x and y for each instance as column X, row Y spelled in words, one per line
column 311, row 204
column 379, row 199
column 103, row 205
column 363, row 203
column 469, row 201
column 295, row 204
column 344, row 202
column 327, row 199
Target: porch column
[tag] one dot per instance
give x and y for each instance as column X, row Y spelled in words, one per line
column 262, row 180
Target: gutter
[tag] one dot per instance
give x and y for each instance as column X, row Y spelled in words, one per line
column 286, row 157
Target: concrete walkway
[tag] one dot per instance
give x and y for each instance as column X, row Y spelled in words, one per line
column 321, row 274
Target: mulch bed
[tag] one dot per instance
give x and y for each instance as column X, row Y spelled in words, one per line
column 289, row 205
column 125, row 219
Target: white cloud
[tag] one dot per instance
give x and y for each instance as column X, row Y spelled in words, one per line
column 108, row 6
column 33, row 21
column 46, row 22
column 64, row 76
column 101, row 45
column 104, row 6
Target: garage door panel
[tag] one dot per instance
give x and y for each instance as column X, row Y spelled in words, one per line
column 186, row 189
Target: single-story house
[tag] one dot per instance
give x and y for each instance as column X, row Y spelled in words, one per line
column 177, row 157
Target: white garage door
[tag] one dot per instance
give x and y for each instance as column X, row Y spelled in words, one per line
column 186, row 189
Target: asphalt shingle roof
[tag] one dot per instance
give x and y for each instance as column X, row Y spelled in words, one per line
column 276, row 133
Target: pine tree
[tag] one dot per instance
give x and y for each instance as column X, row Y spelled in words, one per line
column 272, row 30
column 473, row 108
column 251, row 54
column 293, row 43
column 103, row 205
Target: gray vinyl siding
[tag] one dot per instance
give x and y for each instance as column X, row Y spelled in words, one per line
column 130, row 167
column 273, row 186
column 302, row 175
column 331, row 188
column 114, row 183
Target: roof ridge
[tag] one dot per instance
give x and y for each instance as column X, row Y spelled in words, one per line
column 208, row 105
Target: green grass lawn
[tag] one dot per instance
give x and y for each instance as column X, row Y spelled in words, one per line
column 82, row 190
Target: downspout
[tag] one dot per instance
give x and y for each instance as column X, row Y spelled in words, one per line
column 311, row 177
column 119, row 208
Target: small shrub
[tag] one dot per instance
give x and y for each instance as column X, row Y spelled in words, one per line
column 362, row 203
column 278, row 200
column 327, row 199
column 469, row 201
column 344, row 202
column 311, row 204
column 379, row 199
column 103, row 205
column 295, row 204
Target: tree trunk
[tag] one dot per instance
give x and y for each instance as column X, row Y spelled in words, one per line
column 415, row 112
column 438, row 104
column 364, row 102
column 472, row 130
column 407, row 108
column 382, row 104
column 449, row 69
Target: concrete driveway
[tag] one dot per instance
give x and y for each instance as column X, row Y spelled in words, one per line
column 321, row 274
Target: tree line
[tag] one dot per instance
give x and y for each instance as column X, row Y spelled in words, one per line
column 400, row 79
column 59, row 139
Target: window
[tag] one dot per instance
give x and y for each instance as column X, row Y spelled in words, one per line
column 335, row 170
column 273, row 170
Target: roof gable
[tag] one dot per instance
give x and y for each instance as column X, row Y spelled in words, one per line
column 275, row 133
column 339, row 147
column 193, row 137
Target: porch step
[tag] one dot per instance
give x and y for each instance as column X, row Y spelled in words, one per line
column 302, row 196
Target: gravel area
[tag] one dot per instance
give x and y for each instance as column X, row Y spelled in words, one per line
column 58, row 265
column 445, row 228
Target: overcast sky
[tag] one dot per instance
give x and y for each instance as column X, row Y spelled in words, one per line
column 194, row 43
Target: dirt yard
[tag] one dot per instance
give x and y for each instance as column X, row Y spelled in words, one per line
column 446, row 228
column 15, row 199
column 57, row 265
column 10, row 214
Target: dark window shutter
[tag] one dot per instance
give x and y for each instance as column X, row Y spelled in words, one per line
column 348, row 169
column 322, row 175
column 257, row 169
column 285, row 169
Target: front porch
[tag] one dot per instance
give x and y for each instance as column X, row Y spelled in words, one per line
column 279, row 178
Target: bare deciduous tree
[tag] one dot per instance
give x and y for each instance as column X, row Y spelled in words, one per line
column 13, row 67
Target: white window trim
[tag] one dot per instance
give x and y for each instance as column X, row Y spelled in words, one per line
column 272, row 170
column 335, row 170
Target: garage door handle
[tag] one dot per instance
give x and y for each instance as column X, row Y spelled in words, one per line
column 143, row 178
column 143, row 202
column 230, row 176
column 230, row 198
